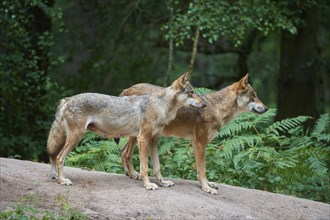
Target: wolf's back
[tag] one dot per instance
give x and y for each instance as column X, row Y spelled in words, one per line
column 56, row 137
column 141, row 89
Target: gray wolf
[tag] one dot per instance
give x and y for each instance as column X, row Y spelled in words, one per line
column 142, row 116
column 198, row 125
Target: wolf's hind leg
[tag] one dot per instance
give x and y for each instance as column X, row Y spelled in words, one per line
column 53, row 167
column 72, row 139
column 126, row 155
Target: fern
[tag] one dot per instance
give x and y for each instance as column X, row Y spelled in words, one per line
column 167, row 144
column 324, row 138
column 265, row 118
column 318, row 166
column 322, row 125
column 321, row 130
column 240, row 124
column 238, row 143
column 96, row 153
column 203, row 91
column 286, row 124
column 274, row 155
column 245, row 122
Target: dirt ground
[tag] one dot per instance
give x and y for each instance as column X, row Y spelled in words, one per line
column 110, row 196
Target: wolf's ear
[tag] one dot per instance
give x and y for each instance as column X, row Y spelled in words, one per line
column 244, row 81
column 180, row 81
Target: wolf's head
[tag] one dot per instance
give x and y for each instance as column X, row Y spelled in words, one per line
column 247, row 99
column 184, row 92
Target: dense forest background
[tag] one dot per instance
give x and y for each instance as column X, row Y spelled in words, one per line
column 55, row 48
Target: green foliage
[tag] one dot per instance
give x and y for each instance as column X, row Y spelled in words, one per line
column 278, row 157
column 177, row 158
column 202, row 91
column 111, row 45
column 27, row 94
column 25, row 210
column 232, row 18
column 96, row 153
column 252, row 151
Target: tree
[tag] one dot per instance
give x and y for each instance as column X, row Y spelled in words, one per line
column 299, row 68
column 232, row 20
column 24, row 63
column 240, row 22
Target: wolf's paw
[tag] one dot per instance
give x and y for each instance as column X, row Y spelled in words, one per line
column 150, row 186
column 134, row 175
column 210, row 190
column 65, row 182
column 212, row 185
column 166, row 183
column 54, row 176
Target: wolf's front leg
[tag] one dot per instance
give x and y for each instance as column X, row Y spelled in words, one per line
column 143, row 152
column 156, row 164
column 199, row 151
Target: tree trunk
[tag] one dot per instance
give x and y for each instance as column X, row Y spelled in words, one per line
column 194, row 51
column 170, row 53
column 243, row 55
column 298, row 70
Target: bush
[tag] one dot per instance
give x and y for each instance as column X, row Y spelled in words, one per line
column 27, row 94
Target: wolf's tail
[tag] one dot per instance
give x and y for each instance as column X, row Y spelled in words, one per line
column 57, row 134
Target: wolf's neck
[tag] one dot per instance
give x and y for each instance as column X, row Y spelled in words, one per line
column 170, row 103
column 224, row 103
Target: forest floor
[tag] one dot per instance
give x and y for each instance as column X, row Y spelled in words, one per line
column 102, row 195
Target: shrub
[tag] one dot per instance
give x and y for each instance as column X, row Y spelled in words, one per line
column 27, row 94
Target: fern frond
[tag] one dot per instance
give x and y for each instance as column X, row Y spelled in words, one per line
column 166, row 145
column 113, row 163
column 88, row 137
column 266, row 117
column 247, row 122
column 203, row 91
column 78, row 158
column 286, row 124
column 241, row 123
column 301, row 141
column 321, row 125
column 238, row 159
column 238, row 143
column 318, row 166
column 182, row 155
column 324, row 137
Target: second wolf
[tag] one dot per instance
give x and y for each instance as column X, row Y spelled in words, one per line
column 200, row 126
column 140, row 116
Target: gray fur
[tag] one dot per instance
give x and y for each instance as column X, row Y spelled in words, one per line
column 140, row 116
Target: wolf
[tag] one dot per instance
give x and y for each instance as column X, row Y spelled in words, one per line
column 198, row 125
column 142, row 116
